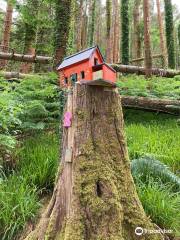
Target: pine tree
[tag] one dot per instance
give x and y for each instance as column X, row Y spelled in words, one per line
column 169, row 33
column 125, row 31
column 147, row 39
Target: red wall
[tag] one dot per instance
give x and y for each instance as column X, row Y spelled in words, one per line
column 109, row 74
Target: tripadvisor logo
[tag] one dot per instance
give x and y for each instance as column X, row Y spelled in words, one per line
column 140, row 231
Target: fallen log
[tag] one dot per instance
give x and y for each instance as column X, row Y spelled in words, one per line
column 14, row 75
column 25, row 58
column 142, row 71
column 158, row 105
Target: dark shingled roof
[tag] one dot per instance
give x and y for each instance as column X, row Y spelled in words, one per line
column 78, row 57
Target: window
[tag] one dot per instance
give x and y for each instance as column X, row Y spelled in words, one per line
column 66, row 80
column 82, row 74
column 95, row 61
column 73, row 78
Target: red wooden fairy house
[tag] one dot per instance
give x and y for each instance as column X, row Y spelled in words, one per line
column 87, row 66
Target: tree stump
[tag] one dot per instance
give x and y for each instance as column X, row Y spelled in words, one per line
column 94, row 196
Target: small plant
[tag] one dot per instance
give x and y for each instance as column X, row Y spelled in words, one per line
column 148, row 168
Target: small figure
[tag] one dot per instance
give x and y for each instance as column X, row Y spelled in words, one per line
column 67, row 119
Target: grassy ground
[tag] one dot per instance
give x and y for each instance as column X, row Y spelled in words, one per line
column 156, row 87
column 34, row 176
column 155, row 134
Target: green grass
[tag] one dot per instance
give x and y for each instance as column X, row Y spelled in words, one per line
column 34, row 175
column 155, row 87
column 38, row 160
column 155, row 134
column 162, row 206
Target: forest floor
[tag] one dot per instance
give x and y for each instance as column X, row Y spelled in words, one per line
column 149, row 135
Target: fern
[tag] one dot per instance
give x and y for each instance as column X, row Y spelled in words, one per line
column 147, row 168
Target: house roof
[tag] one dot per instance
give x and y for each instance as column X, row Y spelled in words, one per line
column 79, row 57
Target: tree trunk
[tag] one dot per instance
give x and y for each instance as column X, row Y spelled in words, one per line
column 31, row 22
column 158, row 105
column 142, row 58
column 147, row 39
column 94, row 196
column 108, row 31
column 84, row 27
column 169, row 33
column 92, row 23
column 178, row 33
column 161, row 31
column 6, row 32
column 136, row 22
column 80, row 26
column 70, row 48
column 27, row 67
column 62, row 21
column 116, row 31
column 125, row 31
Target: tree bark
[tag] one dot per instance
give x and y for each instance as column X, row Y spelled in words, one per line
column 92, row 22
column 6, row 32
column 142, row 58
column 161, row 31
column 14, row 75
column 94, row 196
column 108, row 30
column 158, row 105
column 125, row 31
column 147, row 39
column 116, row 31
column 142, row 71
column 25, row 58
column 31, row 24
column 62, row 21
column 136, row 22
column 169, row 33
column 80, row 26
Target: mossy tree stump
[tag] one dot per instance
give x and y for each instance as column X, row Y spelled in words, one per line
column 94, row 196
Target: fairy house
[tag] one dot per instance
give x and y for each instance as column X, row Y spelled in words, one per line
column 87, row 66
